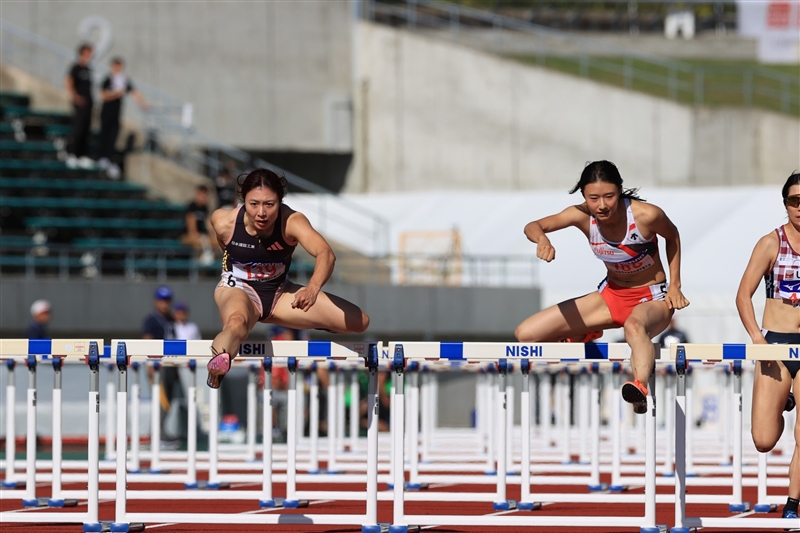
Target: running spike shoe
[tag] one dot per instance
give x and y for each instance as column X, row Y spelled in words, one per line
column 218, row 366
column 635, row 393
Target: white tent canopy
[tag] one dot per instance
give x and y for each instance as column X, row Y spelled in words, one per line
column 719, row 228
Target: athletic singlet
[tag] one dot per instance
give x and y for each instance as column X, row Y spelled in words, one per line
column 633, row 254
column 783, row 281
column 263, row 262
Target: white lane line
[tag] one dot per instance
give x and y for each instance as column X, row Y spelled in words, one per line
column 257, row 511
column 498, row 513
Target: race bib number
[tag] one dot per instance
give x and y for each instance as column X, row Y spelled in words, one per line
column 258, row 271
column 632, row 266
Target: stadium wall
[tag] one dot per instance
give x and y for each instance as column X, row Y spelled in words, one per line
column 434, row 115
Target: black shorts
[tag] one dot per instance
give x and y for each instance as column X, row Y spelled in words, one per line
column 785, row 338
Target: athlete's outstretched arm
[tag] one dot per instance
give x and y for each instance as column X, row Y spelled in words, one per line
column 763, row 255
column 662, row 225
column 536, row 231
column 299, row 228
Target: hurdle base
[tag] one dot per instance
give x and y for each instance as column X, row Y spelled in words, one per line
column 62, row 503
column 490, row 472
column 508, row 505
column 617, row 488
column 598, row 488
column 213, row 485
column 95, row 527
column 739, row 507
column 332, row 472
column 416, row 486
column 158, row 471
column 659, row 528
column 313, row 472
column 35, row 502
column 134, row 470
column 529, row 506
column 13, row 485
column 375, row 528
column 271, row 504
column 765, row 507
column 122, row 527
column 294, row 504
column 668, row 474
column 683, row 530
column 404, row 529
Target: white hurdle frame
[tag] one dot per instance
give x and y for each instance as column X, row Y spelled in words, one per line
column 126, row 351
column 683, row 354
column 502, row 353
column 33, row 350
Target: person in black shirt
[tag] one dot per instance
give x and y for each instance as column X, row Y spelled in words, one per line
column 226, row 187
column 197, row 234
column 79, row 87
column 672, row 335
column 40, row 317
column 114, row 88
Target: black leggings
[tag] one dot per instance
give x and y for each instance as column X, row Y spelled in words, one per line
column 785, row 338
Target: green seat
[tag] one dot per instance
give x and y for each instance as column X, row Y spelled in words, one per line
column 131, row 244
column 57, row 130
column 88, row 203
column 105, row 223
column 174, row 264
column 6, row 127
column 25, row 111
column 46, row 261
column 16, row 240
column 14, row 99
column 48, row 165
column 28, row 146
column 70, row 184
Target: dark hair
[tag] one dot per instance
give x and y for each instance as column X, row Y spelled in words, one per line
column 607, row 172
column 794, row 179
column 203, row 188
column 84, row 46
column 117, row 61
column 262, row 177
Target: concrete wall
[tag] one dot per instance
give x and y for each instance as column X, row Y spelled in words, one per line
column 463, row 119
column 109, row 308
column 262, row 75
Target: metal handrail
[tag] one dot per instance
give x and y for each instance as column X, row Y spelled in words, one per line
column 438, row 14
column 188, row 148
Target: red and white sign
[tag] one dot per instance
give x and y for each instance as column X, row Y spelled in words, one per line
column 776, row 25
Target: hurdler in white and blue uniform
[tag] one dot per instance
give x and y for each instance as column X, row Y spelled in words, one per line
column 258, row 239
column 776, row 257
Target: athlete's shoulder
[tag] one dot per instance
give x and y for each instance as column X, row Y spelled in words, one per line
column 223, row 217
column 769, row 243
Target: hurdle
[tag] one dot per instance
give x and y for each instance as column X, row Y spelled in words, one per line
column 31, row 351
column 736, row 353
column 126, row 351
column 502, row 353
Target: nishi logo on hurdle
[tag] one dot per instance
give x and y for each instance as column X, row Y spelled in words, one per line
column 537, row 454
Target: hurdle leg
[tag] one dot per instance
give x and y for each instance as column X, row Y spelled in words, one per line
column 564, row 415
column 354, row 416
column 762, row 506
column 109, row 453
column 313, row 421
column 135, row 405
column 727, row 418
column 213, row 439
column 669, row 425
column 155, row 420
column 501, row 502
column 120, row 520
column 680, row 443
column 267, row 501
column 55, row 494
column 413, row 430
column 30, row 499
column 92, row 523
column 392, row 431
column 594, row 401
column 291, row 500
column 371, row 519
column 509, row 463
column 11, row 431
column 689, row 422
column 340, row 410
column 650, row 461
column 489, row 421
column 526, row 502
column 738, row 506
column 332, row 377
column 426, row 421
column 616, row 431
column 191, row 430
column 252, row 404
column 398, row 439
column 546, row 408
column 584, row 409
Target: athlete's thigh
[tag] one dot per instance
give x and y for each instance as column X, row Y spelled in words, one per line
column 329, row 312
column 232, row 301
column 771, row 385
column 655, row 315
column 571, row 317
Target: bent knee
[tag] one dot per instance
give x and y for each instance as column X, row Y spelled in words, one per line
column 633, row 326
column 764, row 443
column 525, row 335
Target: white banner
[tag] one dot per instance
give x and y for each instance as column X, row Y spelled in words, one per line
column 776, row 25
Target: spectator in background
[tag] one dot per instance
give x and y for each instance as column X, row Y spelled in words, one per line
column 226, row 186
column 672, row 335
column 160, row 324
column 40, row 317
column 114, row 88
column 197, row 228
column 79, row 87
column 184, row 329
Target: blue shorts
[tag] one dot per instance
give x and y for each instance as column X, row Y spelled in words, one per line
column 785, row 338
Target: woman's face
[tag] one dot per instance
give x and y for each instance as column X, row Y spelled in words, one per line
column 793, row 210
column 601, row 199
column 261, row 206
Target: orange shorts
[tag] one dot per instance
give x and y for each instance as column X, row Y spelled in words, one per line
column 622, row 300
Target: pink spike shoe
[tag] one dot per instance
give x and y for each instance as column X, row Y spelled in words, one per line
column 218, row 366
